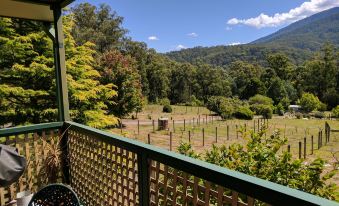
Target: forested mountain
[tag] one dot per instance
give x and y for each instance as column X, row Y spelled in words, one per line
column 297, row 41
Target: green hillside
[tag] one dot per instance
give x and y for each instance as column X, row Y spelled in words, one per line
column 298, row 41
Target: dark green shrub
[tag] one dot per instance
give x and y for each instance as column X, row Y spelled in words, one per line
column 260, row 109
column 307, row 115
column 167, row 109
column 260, row 99
column 267, row 112
column 319, row 115
column 279, row 109
column 243, row 113
column 299, row 115
column 164, row 101
column 335, row 111
column 322, row 107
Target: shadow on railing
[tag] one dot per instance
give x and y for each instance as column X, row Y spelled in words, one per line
column 106, row 169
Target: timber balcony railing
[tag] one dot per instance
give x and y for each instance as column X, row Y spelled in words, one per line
column 105, row 169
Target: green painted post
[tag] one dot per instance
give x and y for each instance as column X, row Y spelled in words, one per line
column 60, row 66
column 143, row 179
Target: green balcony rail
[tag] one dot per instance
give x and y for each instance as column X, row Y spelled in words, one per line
column 106, row 169
column 114, row 166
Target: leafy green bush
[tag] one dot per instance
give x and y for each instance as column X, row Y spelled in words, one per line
column 299, row 115
column 262, row 157
column 267, row 112
column 279, row 109
column 309, row 102
column 319, row 115
column 322, row 107
column 285, row 103
column 214, row 102
column 335, row 111
column 260, row 109
column 164, row 101
column 260, row 99
column 243, row 113
column 225, row 107
column 167, row 109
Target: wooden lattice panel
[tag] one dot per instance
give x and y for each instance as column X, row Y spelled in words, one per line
column 30, row 146
column 102, row 173
column 169, row 186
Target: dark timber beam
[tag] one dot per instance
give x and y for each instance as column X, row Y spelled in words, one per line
column 60, row 65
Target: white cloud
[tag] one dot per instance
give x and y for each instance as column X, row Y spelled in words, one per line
column 228, row 28
column 180, row 46
column 304, row 10
column 234, row 43
column 153, row 38
column 193, row 34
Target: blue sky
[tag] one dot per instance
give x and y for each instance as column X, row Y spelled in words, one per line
column 167, row 25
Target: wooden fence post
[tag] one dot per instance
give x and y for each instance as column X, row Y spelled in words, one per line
column 216, row 134
column 289, row 148
column 138, row 127
column 228, row 132
column 189, row 136
column 312, row 145
column 193, row 121
column 170, row 141
column 319, row 140
column 173, row 126
column 153, row 124
column 203, row 136
column 149, row 138
column 121, row 126
column 236, row 129
column 304, row 147
column 184, row 125
column 254, row 126
column 299, row 150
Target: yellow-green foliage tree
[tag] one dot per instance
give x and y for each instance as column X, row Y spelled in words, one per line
column 27, row 76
